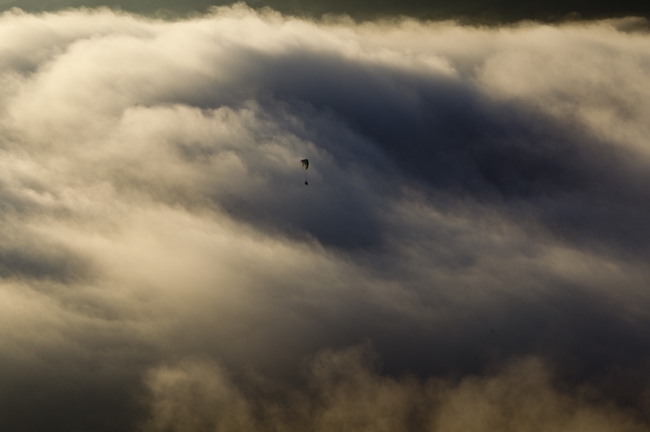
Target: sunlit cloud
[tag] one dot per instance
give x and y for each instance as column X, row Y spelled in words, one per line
column 476, row 195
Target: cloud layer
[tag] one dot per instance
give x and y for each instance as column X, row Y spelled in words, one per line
column 477, row 198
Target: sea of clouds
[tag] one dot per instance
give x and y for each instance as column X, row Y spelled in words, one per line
column 471, row 252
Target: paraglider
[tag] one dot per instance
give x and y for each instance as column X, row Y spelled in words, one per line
column 305, row 164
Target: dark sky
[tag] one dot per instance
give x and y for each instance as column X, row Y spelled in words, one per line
column 471, row 11
column 471, row 252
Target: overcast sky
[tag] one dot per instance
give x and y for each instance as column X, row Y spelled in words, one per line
column 471, row 253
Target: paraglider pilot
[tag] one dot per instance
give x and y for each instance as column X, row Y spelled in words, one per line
column 305, row 164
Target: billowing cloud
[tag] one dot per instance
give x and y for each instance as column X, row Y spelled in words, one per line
column 476, row 211
column 344, row 392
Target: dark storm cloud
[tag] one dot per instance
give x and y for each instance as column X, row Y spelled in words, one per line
column 476, row 197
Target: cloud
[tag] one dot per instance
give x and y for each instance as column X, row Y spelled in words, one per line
column 197, row 396
column 343, row 390
column 475, row 195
